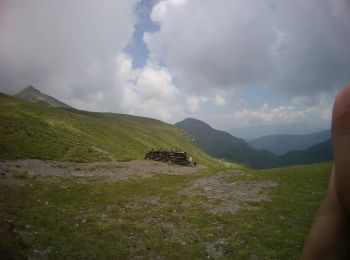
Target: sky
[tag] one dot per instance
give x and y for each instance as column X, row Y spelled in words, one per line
column 230, row 63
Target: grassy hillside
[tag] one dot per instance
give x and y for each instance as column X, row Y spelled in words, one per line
column 30, row 130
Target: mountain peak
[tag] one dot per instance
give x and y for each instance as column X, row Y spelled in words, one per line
column 192, row 122
column 32, row 94
column 29, row 89
column 221, row 144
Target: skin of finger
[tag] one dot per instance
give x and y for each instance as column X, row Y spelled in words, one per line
column 329, row 237
column 341, row 146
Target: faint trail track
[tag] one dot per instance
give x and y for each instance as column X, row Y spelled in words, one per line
column 114, row 170
column 225, row 196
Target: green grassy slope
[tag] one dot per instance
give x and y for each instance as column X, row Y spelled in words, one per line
column 30, row 130
column 279, row 229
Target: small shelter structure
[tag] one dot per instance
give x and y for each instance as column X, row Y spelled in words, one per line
column 180, row 157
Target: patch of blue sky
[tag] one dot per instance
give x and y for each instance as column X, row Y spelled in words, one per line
column 255, row 96
column 136, row 48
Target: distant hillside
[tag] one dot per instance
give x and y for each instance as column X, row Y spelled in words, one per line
column 221, row 144
column 32, row 94
column 30, row 130
column 317, row 153
column 281, row 144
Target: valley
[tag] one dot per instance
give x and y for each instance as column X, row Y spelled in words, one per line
column 223, row 145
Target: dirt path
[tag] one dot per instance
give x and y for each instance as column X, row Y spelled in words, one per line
column 114, row 170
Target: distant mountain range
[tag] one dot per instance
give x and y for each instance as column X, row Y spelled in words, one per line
column 316, row 153
column 222, row 145
column 281, row 144
column 254, row 132
column 32, row 94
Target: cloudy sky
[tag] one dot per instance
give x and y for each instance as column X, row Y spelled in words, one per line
column 231, row 63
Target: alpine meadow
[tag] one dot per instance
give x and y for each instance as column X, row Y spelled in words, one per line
column 75, row 185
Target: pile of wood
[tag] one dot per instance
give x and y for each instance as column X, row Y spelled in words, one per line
column 180, row 158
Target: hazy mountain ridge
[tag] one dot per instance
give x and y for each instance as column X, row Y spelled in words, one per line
column 254, row 132
column 223, row 145
column 32, row 94
column 281, row 144
column 317, row 153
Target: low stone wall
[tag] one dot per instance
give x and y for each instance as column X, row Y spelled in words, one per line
column 180, row 158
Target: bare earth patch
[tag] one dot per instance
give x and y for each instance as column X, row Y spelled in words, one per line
column 223, row 196
column 113, row 170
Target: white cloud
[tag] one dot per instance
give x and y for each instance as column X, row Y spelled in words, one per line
column 155, row 82
column 66, row 48
column 148, row 91
column 297, row 47
column 194, row 102
column 300, row 111
column 219, row 100
column 209, row 48
column 267, row 115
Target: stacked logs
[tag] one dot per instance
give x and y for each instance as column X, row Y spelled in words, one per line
column 180, row 158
